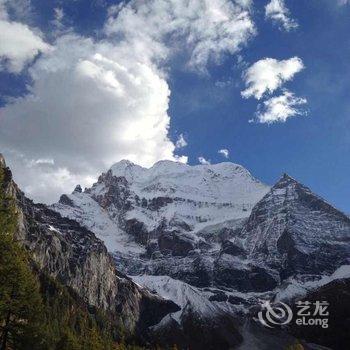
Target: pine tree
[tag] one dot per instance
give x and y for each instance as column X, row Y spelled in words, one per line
column 20, row 301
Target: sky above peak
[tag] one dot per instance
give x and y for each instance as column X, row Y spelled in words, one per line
column 87, row 83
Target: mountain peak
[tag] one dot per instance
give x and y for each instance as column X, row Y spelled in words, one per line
column 123, row 164
column 285, row 181
column 78, row 189
column 287, row 177
column 293, row 225
column 168, row 162
column 126, row 168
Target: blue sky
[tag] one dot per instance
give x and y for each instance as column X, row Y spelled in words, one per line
column 203, row 95
column 314, row 149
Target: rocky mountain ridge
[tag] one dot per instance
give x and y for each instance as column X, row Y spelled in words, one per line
column 295, row 231
column 72, row 255
column 214, row 230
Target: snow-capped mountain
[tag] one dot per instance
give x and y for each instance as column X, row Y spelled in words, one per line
column 130, row 205
column 295, row 231
column 214, row 240
column 210, row 225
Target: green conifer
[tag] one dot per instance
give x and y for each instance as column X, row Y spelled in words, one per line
column 20, row 301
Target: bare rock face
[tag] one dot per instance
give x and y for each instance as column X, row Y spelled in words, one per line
column 178, row 244
column 291, row 230
column 230, row 272
column 78, row 189
column 74, row 256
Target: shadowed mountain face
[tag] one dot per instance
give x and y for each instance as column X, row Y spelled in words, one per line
column 212, row 239
column 294, row 231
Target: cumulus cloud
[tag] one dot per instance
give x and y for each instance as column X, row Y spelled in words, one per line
column 265, row 77
column 269, row 74
column 280, row 108
column 19, row 43
column 93, row 103
column 277, row 11
column 224, row 152
column 203, row 161
column 181, row 142
column 89, row 106
column 208, row 28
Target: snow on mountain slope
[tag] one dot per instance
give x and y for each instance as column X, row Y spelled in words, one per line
column 295, row 288
column 293, row 230
column 196, row 194
column 130, row 199
column 85, row 210
column 179, row 292
column 223, row 182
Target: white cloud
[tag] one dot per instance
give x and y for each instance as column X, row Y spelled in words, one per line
column 280, row 108
column 203, row 161
column 42, row 176
column 277, row 11
column 181, row 159
column 207, row 28
column 19, row 44
column 89, row 106
column 269, row 74
column 343, row 2
column 224, row 152
column 93, row 103
column 181, row 142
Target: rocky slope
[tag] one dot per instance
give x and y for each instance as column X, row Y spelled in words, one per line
column 73, row 255
column 294, row 231
column 213, row 239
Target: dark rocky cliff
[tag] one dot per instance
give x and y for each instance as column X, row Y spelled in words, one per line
column 64, row 250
